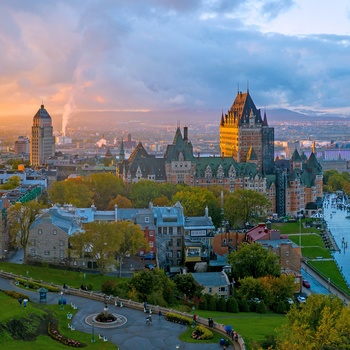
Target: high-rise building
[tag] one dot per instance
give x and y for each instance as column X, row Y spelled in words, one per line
column 42, row 145
column 22, row 145
column 245, row 135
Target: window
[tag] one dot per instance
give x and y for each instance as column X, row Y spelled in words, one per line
column 55, row 232
column 146, row 219
column 178, row 242
column 151, row 233
column 32, row 242
column 61, row 253
column 40, row 231
column 61, row 243
column 159, row 230
column 222, row 289
column 151, row 244
column 170, row 230
column 33, row 252
column 178, row 253
column 170, row 254
column 210, row 289
column 46, row 252
column 165, row 230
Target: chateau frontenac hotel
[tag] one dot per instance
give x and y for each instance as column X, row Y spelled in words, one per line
column 246, row 161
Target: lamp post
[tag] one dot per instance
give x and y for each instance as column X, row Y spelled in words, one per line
column 93, row 331
column 61, row 306
column 27, row 286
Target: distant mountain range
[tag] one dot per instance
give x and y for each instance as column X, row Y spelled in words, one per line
column 98, row 119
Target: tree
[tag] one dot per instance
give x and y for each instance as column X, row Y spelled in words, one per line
column 144, row 192
column 12, row 183
column 322, row 323
column 120, row 201
column 187, row 285
column 194, row 201
column 20, row 219
column 100, row 240
column 105, row 187
column 154, row 287
column 132, row 239
column 71, row 191
column 253, row 260
column 242, row 206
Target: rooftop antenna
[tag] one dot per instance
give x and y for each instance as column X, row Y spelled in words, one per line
column 247, row 85
column 178, row 123
column 237, row 88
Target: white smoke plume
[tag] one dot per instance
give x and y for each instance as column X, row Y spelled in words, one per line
column 67, row 111
column 101, row 143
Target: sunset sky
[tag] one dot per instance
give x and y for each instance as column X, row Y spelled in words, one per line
column 163, row 55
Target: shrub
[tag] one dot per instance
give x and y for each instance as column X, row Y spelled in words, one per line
column 201, row 332
column 54, row 334
column 15, row 295
column 281, row 307
column 172, row 317
column 261, row 307
column 243, row 305
column 232, row 305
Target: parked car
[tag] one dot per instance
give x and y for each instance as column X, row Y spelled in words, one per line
column 254, row 300
column 290, row 301
column 306, row 283
column 301, row 299
column 148, row 256
column 149, row 266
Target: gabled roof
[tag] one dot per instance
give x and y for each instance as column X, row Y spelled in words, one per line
column 251, row 155
column 296, row 156
column 211, row 279
column 243, row 107
column 179, row 145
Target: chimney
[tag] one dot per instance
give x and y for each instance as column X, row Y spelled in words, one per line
column 206, row 211
column 185, row 133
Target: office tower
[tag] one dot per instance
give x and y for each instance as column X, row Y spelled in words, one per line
column 42, row 145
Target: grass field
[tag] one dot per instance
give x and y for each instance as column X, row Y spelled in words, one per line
column 10, row 310
column 56, row 276
column 250, row 325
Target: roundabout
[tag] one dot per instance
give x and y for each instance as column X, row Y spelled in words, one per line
column 120, row 320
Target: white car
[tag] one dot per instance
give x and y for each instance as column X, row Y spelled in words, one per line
column 290, row 301
column 301, row 299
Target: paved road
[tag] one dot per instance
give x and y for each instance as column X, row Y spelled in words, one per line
column 135, row 334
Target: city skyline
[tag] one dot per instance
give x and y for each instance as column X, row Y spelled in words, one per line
column 172, row 55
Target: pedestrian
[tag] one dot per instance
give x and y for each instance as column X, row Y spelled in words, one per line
column 25, row 303
column 20, row 301
column 159, row 315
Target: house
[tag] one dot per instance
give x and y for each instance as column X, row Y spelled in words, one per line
column 214, row 283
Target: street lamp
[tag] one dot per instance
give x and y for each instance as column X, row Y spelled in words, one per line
column 61, row 308
column 27, row 286
column 93, row 331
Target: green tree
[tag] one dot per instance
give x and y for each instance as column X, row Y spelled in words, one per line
column 132, row 239
column 243, row 206
column 322, row 323
column 20, row 219
column 100, row 240
column 120, row 201
column 187, row 285
column 71, row 191
column 253, row 260
column 105, row 187
column 12, row 183
column 153, row 286
column 144, row 192
column 194, row 201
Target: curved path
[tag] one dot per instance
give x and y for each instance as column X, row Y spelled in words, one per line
column 134, row 334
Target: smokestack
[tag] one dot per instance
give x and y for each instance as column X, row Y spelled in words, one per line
column 206, row 211
column 185, row 133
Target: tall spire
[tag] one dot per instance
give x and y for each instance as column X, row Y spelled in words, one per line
column 265, row 119
column 121, row 152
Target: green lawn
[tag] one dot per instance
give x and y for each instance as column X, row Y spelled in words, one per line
column 250, row 325
column 56, row 276
column 330, row 269
column 11, row 310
